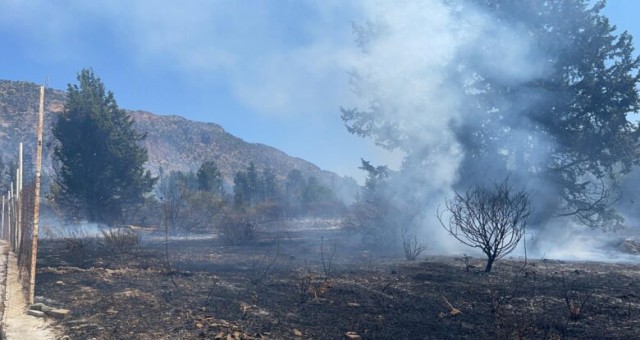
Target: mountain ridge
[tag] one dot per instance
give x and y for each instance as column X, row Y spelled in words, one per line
column 174, row 143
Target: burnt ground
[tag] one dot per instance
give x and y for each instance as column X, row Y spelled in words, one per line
column 279, row 288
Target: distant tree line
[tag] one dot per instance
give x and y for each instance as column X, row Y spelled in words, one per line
column 99, row 174
column 255, row 191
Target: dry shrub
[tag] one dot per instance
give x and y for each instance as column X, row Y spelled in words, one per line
column 74, row 240
column 302, row 282
column 412, row 246
column 491, row 219
column 236, row 228
column 119, row 239
column 268, row 211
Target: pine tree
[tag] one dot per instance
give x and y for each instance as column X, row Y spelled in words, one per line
column 210, row 178
column 98, row 158
column 566, row 127
column 270, row 185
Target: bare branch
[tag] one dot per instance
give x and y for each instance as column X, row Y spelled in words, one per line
column 492, row 220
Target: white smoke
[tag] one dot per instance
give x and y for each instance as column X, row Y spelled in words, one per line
column 410, row 68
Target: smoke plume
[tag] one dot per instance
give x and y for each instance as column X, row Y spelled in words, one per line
column 420, row 75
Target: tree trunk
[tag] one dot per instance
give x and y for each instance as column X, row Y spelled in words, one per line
column 489, row 264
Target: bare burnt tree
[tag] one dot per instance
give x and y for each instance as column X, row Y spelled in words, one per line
column 493, row 220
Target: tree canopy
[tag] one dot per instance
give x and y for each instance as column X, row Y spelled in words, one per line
column 210, row 178
column 556, row 120
column 98, row 157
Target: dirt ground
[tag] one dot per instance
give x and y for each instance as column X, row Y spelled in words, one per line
column 319, row 283
column 16, row 324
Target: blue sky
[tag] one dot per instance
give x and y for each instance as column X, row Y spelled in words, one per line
column 271, row 72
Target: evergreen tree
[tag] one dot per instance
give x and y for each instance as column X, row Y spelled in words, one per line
column 316, row 193
column 253, row 185
column 98, row 159
column 248, row 188
column 375, row 216
column 269, row 185
column 565, row 127
column 240, row 189
column 210, row 178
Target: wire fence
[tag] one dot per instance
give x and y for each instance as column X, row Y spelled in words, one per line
column 20, row 213
column 17, row 230
column 25, row 247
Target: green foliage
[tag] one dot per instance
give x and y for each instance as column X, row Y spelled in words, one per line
column 99, row 162
column 260, row 191
column 270, row 188
column 566, row 127
column 375, row 216
column 173, row 191
column 210, row 178
column 241, row 192
column 185, row 207
column 252, row 187
column 320, row 200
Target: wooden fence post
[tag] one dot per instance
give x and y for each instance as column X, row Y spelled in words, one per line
column 19, row 199
column 36, row 201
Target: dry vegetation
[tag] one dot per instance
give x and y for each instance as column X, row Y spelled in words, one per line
column 318, row 283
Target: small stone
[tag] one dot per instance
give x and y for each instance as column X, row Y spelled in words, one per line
column 60, row 283
column 297, row 332
column 46, row 308
column 353, row 304
column 36, row 313
column 199, row 325
column 352, row 335
column 58, row 313
column 37, row 306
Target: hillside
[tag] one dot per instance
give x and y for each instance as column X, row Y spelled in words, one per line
column 173, row 142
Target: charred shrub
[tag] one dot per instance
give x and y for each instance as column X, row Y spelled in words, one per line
column 302, row 282
column 576, row 294
column 262, row 267
column 119, row 240
column 411, row 245
column 492, row 219
column 77, row 241
column 236, row 228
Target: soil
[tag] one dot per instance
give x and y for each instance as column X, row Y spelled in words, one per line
column 291, row 284
column 16, row 324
